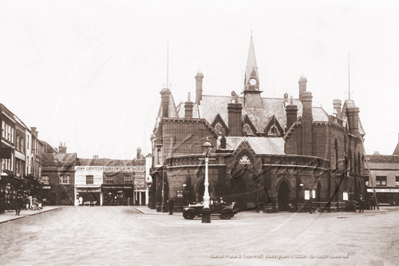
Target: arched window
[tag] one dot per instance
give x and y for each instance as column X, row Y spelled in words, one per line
column 359, row 163
column 219, row 128
column 335, row 155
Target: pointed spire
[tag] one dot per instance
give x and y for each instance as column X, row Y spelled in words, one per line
column 251, row 62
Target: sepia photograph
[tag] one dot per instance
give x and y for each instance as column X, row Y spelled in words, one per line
column 199, row 132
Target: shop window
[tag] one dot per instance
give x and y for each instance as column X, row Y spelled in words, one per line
column 64, row 179
column 109, row 180
column 45, row 180
column 89, row 180
column 397, row 181
column 128, row 180
column 381, row 180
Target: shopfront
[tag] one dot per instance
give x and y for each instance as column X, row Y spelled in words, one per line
column 88, row 181
column 385, row 196
column 117, row 195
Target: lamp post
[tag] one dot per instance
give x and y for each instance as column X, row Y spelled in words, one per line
column 206, row 211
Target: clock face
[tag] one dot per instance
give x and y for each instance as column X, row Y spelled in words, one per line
column 252, row 82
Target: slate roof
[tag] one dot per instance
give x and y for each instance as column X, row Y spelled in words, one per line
column 59, row 159
column 109, row 162
column 211, row 105
column 260, row 145
column 382, row 158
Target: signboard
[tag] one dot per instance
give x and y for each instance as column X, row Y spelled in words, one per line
column 83, row 171
column 83, row 190
column 117, row 187
column 46, row 187
column 139, row 180
column 118, row 168
column 384, row 190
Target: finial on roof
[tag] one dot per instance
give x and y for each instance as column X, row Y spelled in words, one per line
column 302, row 79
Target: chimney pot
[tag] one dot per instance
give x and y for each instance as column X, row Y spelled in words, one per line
column 198, row 86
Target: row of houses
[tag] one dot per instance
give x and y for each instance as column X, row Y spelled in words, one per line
column 69, row 180
column 32, row 167
column 21, row 154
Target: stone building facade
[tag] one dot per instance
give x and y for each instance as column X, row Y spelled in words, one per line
column 277, row 153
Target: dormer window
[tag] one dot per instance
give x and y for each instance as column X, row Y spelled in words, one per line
column 273, row 132
column 219, row 128
column 247, row 130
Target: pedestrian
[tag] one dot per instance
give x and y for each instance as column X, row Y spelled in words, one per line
column 30, row 201
column 27, row 202
column 18, row 204
column 372, row 203
column 361, row 204
column 80, row 201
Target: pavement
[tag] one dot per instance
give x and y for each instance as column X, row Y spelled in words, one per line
column 137, row 235
column 10, row 215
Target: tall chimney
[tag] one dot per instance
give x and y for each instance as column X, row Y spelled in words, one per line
column 198, row 86
column 307, row 119
column 292, row 113
column 353, row 120
column 337, row 107
column 62, row 148
column 138, row 153
column 188, row 108
column 235, row 123
column 302, row 86
column 165, row 93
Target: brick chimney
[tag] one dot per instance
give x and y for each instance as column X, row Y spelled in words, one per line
column 302, row 86
column 198, row 86
column 307, row 119
column 34, row 132
column 353, row 120
column 188, row 108
column 62, row 148
column 165, row 93
column 235, row 123
column 337, row 107
column 292, row 113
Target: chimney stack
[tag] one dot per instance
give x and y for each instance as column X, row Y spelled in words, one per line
column 138, row 153
column 234, row 116
column 337, row 107
column 198, row 86
column 302, row 86
column 188, row 107
column 307, row 119
column 292, row 113
column 165, row 93
column 353, row 120
column 285, row 97
column 62, row 148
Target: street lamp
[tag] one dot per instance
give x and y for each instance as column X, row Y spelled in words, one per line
column 206, row 211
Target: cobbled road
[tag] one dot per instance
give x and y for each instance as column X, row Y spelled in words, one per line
column 123, row 236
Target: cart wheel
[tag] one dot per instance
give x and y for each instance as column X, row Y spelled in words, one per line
column 227, row 215
column 188, row 215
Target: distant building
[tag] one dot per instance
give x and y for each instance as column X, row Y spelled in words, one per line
column 278, row 153
column 384, row 170
column 58, row 176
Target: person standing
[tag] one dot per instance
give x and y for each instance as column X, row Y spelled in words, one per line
column 361, row 204
column 27, row 202
column 80, row 201
column 18, row 204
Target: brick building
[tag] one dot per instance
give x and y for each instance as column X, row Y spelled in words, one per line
column 278, row 153
column 58, row 175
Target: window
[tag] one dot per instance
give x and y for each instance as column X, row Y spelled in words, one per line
column 45, row 180
column 397, row 181
column 109, row 180
column 89, row 180
column 17, row 142
column 64, row 179
column 128, row 180
column 381, row 180
column 22, row 145
column 3, row 129
column 27, row 142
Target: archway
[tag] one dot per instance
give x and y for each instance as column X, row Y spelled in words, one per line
column 283, row 196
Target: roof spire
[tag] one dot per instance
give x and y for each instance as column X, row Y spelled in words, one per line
column 251, row 79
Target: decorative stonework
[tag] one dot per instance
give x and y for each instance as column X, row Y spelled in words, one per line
column 247, row 130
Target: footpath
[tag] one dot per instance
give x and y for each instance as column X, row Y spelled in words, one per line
column 146, row 210
column 10, row 215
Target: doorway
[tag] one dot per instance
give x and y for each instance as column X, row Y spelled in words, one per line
column 284, row 196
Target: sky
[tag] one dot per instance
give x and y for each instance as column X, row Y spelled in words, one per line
column 88, row 73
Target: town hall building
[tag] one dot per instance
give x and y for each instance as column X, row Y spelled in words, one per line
column 279, row 154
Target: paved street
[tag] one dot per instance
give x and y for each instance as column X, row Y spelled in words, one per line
column 124, row 236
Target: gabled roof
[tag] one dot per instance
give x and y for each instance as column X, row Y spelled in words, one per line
column 396, row 151
column 59, row 159
column 260, row 145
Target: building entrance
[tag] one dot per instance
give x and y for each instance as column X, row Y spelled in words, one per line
column 283, row 197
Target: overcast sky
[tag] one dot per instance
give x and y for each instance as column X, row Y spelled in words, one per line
column 89, row 73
